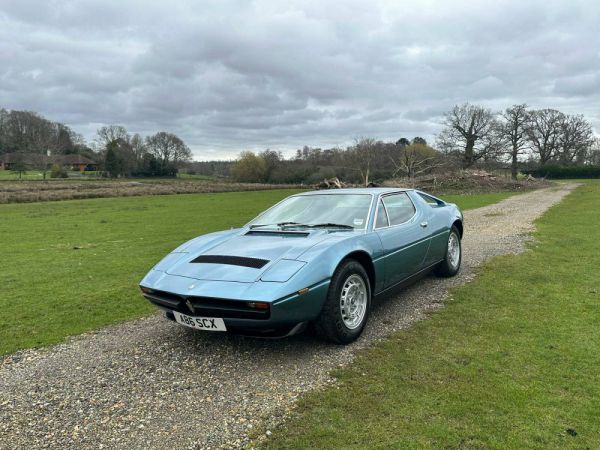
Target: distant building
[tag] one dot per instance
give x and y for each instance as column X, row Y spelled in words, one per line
column 75, row 162
column 33, row 161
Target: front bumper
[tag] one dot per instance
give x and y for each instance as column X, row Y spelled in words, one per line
column 270, row 331
column 213, row 299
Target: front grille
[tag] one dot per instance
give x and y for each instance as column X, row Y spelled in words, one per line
column 207, row 306
column 244, row 261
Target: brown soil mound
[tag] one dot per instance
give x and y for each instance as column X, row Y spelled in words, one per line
column 467, row 181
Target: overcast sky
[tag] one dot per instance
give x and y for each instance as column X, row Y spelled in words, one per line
column 232, row 75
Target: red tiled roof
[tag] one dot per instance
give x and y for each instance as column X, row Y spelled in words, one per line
column 73, row 159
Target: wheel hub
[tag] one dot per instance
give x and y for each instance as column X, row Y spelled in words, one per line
column 353, row 301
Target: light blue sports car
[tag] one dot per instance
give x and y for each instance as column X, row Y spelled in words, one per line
column 315, row 257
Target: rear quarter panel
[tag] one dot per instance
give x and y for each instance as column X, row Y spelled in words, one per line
column 440, row 220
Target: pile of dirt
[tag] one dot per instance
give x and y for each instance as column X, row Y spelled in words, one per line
column 467, row 182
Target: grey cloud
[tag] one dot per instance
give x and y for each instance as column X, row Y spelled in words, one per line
column 231, row 75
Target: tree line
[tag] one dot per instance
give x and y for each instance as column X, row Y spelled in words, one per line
column 161, row 154
column 118, row 153
column 543, row 136
column 363, row 162
column 472, row 135
column 29, row 132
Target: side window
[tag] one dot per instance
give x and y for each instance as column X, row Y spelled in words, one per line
column 381, row 220
column 399, row 208
column 429, row 200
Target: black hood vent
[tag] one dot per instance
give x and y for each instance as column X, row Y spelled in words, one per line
column 255, row 263
column 291, row 234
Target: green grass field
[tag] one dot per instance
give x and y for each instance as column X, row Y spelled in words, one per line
column 13, row 176
column 512, row 362
column 477, row 200
column 72, row 266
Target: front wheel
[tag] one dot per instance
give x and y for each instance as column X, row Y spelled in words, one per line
column 451, row 263
column 347, row 306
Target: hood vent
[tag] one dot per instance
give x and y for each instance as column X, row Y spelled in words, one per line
column 255, row 263
column 291, row 234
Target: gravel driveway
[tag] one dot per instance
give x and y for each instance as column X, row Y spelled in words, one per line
column 152, row 383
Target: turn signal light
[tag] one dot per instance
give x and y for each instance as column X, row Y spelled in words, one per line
column 258, row 305
column 303, row 291
column 146, row 290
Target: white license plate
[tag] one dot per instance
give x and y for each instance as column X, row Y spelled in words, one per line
column 200, row 323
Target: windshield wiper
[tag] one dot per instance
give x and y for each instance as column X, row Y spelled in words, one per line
column 332, row 225
column 303, row 225
column 280, row 224
column 286, row 224
column 327, row 225
column 258, row 225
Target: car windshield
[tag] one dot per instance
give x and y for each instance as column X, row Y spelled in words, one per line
column 327, row 210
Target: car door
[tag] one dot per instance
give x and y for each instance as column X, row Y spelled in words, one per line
column 437, row 218
column 402, row 230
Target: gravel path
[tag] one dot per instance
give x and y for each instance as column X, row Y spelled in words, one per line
column 152, row 383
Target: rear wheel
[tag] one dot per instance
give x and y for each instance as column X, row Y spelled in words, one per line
column 347, row 306
column 451, row 263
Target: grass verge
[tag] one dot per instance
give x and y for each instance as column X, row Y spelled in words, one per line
column 470, row 201
column 511, row 362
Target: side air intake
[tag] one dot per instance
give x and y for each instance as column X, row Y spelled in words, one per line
column 255, row 263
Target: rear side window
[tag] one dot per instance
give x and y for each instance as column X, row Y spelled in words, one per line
column 381, row 221
column 399, row 208
column 430, row 200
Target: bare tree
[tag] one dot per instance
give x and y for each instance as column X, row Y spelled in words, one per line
column 41, row 162
column 3, row 130
column 20, row 165
column 512, row 131
column 138, row 147
column 415, row 159
column 23, row 130
column 30, row 133
column 168, row 148
column 469, row 131
column 43, row 139
column 66, row 140
column 110, row 133
column 360, row 156
column 544, row 133
column 575, row 139
column 593, row 155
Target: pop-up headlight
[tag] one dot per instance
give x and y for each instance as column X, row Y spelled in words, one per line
column 283, row 270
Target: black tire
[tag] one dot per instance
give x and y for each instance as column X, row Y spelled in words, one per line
column 446, row 268
column 330, row 324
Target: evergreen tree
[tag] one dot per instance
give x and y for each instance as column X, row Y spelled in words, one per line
column 112, row 163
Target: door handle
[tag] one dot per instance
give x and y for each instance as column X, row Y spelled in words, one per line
column 424, row 224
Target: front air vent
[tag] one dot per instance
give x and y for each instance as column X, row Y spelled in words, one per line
column 290, row 234
column 255, row 263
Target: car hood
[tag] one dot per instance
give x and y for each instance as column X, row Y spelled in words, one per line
column 244, row 257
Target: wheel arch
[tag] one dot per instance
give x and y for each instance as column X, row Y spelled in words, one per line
column 365, row 260
column 459, row 226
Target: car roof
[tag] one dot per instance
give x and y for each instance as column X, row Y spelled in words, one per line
column 371, row 191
